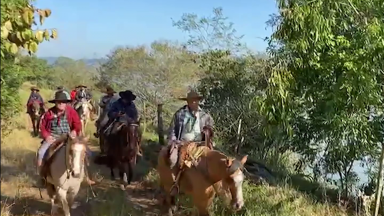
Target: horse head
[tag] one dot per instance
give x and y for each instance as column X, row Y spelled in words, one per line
column 134, row 136
column 233, row 180
column 76, row 152
column 35, row 108
column 207, row 134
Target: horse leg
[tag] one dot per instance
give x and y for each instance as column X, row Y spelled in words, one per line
column 202, row 203
column 63, row 198
column 72, row 192
column 52, row 195
column 131, row 166
column 111, row 167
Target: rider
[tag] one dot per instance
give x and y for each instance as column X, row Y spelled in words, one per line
column 82, row 93
column 123, row 110
column 189, row 121
column 105, row 100
column 187, row 125
column 35, row 96
column 73, row 93
column 58, row 120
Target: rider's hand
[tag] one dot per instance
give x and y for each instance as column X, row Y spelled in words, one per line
column 50, row 139
column 73, row 134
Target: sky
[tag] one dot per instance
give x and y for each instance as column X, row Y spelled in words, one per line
column 91, row 29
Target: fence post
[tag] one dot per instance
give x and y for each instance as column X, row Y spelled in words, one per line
column 160, row 126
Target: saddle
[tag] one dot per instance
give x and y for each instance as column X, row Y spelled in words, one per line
column 188, row 155
column 49, row 155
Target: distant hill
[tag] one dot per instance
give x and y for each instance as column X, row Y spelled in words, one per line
column 91, row 61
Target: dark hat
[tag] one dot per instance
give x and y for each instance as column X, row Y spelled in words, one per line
column 128, row 95
column 192, row 95
column 109, row 90
column 34, row 88
column 60, row 88
column 61, row 96
column 81, row 86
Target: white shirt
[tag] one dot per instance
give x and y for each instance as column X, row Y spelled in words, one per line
column 191, row 130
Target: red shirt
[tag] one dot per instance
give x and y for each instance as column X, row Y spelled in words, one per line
column 72, row 118
column 73, row 94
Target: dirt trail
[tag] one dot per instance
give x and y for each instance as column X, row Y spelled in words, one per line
column 138, row 198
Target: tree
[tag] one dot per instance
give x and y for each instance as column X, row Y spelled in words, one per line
column 18, row 33
column 208, row 33
column 156, row 75
column 328, row 72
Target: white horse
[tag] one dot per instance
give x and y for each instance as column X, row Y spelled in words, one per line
column 84, row 111
column 66, row 172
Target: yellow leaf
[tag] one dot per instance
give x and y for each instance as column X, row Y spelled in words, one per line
column 46, row 35
column 27, row 34
column 33, row 47
column 30, row 14
column 47, row 12
column 54, row 34
column 14, row 49
column 7, row 46
column 18, row 35
column 25, row 17
column 8, row 25
column 39, row 36
column 4, row 32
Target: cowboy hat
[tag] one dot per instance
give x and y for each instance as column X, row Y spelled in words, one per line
column 192, row 95
column 109, row 90
column 61, row 96
column 128, row 95
column 81, row 86
column 35, row 88
column 60, row 87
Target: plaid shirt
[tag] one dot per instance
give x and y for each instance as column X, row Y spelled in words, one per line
column 177, row 123
column 59, row 126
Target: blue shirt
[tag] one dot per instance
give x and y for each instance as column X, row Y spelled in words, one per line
column 119, row 106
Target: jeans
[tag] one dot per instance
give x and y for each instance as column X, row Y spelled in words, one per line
column 42, row 150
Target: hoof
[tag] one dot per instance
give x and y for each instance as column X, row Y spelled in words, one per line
column 122, row 187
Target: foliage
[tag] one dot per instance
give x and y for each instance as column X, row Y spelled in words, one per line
column 327, row 74
column 209, row 33
column 17, row 31
column 155, row 75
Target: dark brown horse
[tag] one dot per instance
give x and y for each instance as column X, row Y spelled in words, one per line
column 35, row 111
column 123, row 148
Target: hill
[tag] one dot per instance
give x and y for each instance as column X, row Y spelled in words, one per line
column 90, row 62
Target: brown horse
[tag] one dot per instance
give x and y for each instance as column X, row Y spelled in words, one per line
column 35, row 111
column 123, row 149
column 201, row 179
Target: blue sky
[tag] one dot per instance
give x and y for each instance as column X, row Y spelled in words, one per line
column 89, row 29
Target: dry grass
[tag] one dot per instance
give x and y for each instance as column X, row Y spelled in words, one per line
column 19, row 197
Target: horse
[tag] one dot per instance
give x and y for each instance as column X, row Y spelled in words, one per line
column 123, row 149
column 84, row 111
column 64, row 170
column 35, row 112
column 200, row 180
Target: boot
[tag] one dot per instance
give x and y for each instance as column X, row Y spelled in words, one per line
column 39, row 170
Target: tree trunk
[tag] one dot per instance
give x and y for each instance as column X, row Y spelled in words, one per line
column 144, row 117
